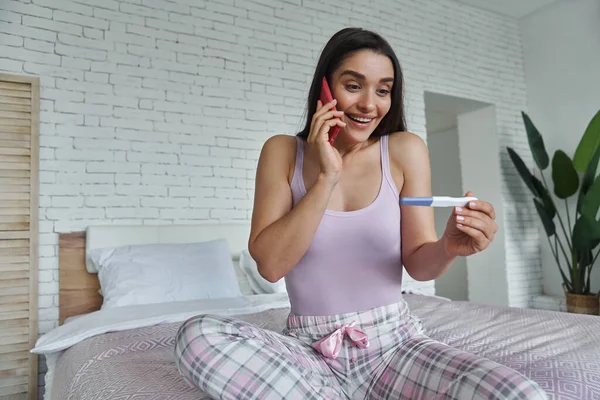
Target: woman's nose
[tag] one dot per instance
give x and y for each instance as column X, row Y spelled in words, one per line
column 366, row 102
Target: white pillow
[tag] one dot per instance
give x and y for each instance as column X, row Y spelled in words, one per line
column 243, row 282
column 159, row 273
column 259, row 284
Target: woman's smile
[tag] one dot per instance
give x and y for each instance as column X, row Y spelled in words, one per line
column 359, row 121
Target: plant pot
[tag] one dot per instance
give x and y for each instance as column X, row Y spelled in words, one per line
column 583, row 303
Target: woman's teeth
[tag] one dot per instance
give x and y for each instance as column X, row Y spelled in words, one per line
column 361, row 120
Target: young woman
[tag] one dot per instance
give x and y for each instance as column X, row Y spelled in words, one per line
column 327, row 219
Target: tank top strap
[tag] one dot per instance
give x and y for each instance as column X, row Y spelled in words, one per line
column 385, row 164
column 297, row 184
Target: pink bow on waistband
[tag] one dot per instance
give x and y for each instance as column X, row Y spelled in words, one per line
column 331, row 344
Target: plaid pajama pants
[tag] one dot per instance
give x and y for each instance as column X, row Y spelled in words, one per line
column 232, row 359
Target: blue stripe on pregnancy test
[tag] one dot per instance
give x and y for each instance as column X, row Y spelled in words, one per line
column 416, row 201
column 436, row 201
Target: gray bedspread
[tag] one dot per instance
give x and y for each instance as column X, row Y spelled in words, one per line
column 561, row 351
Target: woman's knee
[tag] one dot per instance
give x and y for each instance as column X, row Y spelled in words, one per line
column 495, row 383
column 204, row 330
column 529, row 389
column 202, row 321
column 193, row 329
column 517, row 386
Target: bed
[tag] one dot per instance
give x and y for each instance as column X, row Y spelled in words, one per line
column 126, row 352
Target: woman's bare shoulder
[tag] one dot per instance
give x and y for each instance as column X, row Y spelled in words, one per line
column 406, row 140
column 280, row 146
column 407, row 147
column 279, row 151
column 281, row 142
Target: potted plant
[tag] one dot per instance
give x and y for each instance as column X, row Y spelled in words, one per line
column 574, row 240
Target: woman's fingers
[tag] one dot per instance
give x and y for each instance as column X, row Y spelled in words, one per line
column 485, row 227
column 327, row 125
column 476, row 219
column 484, row 207
column 324, row 120
column 323, row 108
column 319, row 105
column 480, row 239
column 329, row 115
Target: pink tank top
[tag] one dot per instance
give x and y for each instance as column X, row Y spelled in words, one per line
column 354, row 261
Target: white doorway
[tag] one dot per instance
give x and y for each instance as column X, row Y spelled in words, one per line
column 464, row 153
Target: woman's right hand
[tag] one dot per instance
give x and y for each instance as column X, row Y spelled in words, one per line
column 323, row 120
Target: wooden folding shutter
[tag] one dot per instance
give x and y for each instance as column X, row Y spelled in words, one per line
column 19, row 121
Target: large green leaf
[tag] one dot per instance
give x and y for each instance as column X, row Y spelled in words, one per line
column 590, row 141
column 566, row 180
column 543, row 194
column 522, row 170
column 585, row 233
column 591, row 201
column 588, row 178
column 536, row 143
column 548, row 223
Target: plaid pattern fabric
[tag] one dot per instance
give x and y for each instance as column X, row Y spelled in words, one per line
column 232, row 359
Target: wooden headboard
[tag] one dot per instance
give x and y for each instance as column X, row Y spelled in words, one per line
column 77, row 288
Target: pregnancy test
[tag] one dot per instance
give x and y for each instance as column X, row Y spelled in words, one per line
column 436, row 201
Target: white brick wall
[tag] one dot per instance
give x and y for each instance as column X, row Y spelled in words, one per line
column 154, row 111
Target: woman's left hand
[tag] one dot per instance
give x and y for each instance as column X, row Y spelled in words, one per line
column 470, row 229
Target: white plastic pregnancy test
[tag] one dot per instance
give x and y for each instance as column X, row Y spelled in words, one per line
column 436, row 201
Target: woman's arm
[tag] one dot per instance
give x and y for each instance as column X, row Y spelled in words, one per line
column 280, row 234
column 423, row 254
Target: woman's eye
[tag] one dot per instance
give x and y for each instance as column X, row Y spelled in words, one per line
column 352, row 87
column 384, row 92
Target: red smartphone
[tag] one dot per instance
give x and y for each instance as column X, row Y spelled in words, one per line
column 325, row 98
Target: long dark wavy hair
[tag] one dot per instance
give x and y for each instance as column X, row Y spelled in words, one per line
column 341, row 46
